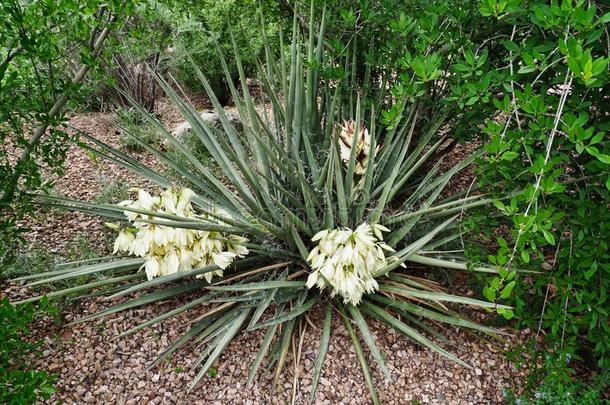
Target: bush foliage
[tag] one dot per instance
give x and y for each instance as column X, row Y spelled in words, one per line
column 18, row 384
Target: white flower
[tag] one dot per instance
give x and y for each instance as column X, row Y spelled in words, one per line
column 170, row 250
column 144, row 202
column 152, row 267
column 363, row 145
column 123, row 242
column 347, row 260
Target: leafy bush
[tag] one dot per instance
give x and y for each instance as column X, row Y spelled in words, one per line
column 549, row 151
column 18, row 384
column 47, row 50
column 551, row 380
column 321, row 203
column 211, row 26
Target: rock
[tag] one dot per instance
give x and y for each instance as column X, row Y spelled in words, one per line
column 210, row 118
column 325, row 382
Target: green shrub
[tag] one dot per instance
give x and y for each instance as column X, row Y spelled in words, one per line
column 18, row 383
column 297, row 220
column 36, row 259
column 44, row 44
column 549, row 151
column 551, row 380
column 132, row 122
column 112, row 191
column 208, row 28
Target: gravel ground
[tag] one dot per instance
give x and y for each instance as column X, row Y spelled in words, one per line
column 94, row 367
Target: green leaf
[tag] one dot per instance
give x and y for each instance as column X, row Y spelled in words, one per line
column 257, row 286
column 382, row 315
column 362, row 359
column 526, row 69
column 322, row 350
column 224, row 341
column 548, row 236
column 369, row 339
column 287, row 316
column 511, row 46
column 506, row 313
column 508, row 288
column 262, row 352
column 510, row 155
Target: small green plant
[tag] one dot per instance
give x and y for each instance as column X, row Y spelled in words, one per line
column 35, row 260
column 551, row 379
column 18, row 383
column 213, row 372
column 112, row 191
column 133, row 122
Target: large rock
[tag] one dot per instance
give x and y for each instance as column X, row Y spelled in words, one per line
column 211, row 118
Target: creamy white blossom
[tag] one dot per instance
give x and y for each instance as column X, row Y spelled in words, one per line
column 123, row 242
column 363, row 145
column 170, row 250
column 346, row 260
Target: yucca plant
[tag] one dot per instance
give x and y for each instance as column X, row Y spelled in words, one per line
column 300, row 218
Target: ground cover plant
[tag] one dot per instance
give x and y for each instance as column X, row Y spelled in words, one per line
column 18, row 383
column 321, row 202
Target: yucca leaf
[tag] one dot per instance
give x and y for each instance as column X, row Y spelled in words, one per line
column 340, row 190
column 404, row 254
column 113, row 266
column 382, row 315
column 288, row 315
column 362, row 359
column 322, row 350
column 263, row 285
column 262, row 352
column 438, row 296
column 180, row 275
column 368, row 339
column 433, row 315
column 222, row 344
column 387, row 186
column 263, row 305
column 452, row 264
column 465, row 203
column 155, row 296
column 83, row 287
column 169, row 314
column 185, row 338
column 284, row 346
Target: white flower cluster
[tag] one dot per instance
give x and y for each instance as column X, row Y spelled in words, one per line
column 347, row 260
column 168, row 250
column 363, row 145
